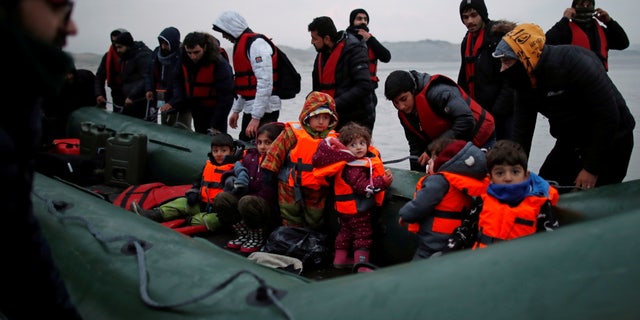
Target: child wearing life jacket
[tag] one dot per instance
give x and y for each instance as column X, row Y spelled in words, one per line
column 359, row 183
column 250, row 211
column 301, row 196
column 457, row 172
column 517, row 202
column 196, row 205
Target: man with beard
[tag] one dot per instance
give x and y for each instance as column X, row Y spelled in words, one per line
column 587, row 114
column 34, row 31
column 341, row 70
column 479, row 73
column 135, row 58
column 589, row 27
column 159, row 81
column 359, row 27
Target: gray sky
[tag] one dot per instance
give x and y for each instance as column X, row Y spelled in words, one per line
column 285, row 21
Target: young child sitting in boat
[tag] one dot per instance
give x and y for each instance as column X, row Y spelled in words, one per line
column 457, row 171
column 196, row 205
column 253, row 213
column 517, row 202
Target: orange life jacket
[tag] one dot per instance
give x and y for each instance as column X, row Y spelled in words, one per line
column 327, row 71
column 113, row 69
column 434, row 125
column 448, row 213
column 346, row 201
column 245, row 80
column 211, row 183
column 499, row 222
column 297, row 169
column 580, row 38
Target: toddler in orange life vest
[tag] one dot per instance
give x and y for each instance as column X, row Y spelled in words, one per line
column 301, row 196
column 360, row 181
column 517, row 202
column 457, row 172
column 196, row 205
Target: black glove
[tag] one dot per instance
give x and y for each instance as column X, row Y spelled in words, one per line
column 193, row 197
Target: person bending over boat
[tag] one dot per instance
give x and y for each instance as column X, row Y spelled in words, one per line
column 432, row 107
column 359, row 183
column 587, row 115
column 196, row 205
column 302, row 196
column 517, row 202
column 253, row 213
column 457, row 171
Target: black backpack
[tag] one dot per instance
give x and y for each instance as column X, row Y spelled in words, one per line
column 289, row 80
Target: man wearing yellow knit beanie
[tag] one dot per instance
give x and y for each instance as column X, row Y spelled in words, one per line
column 587, row 115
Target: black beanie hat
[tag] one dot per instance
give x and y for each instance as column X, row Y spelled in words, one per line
column 355, row 12
column 479, row 5
column 221, row 139
column 125, row 39
column 398, row 82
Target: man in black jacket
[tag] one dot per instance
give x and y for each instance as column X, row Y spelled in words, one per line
column 341, row 69
column 587, row 114
column 135, row 58
column 479, row 73
column 359, row 26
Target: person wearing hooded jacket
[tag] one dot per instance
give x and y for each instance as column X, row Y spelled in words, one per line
column 589, row 27
column 457, row 172
column 301, row 196
column 341, row 69
column 479, row 73
column 254, row 62
column 359, row 26
column 159, row 81
column 587, row 115
column 135, row 58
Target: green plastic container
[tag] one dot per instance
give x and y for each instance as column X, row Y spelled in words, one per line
column 125, row 160
column 93, row 138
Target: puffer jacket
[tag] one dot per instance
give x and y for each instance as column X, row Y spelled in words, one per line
column 584, row 107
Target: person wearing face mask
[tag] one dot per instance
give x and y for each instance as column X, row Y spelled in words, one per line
column 587, row 115
column 587, row 26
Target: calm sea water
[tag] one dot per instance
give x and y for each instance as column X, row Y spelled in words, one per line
column 388, row 135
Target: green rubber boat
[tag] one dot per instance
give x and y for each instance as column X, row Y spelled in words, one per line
column 118, row 265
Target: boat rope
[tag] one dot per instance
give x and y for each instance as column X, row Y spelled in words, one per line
column 264, row 292
column 400, row 160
